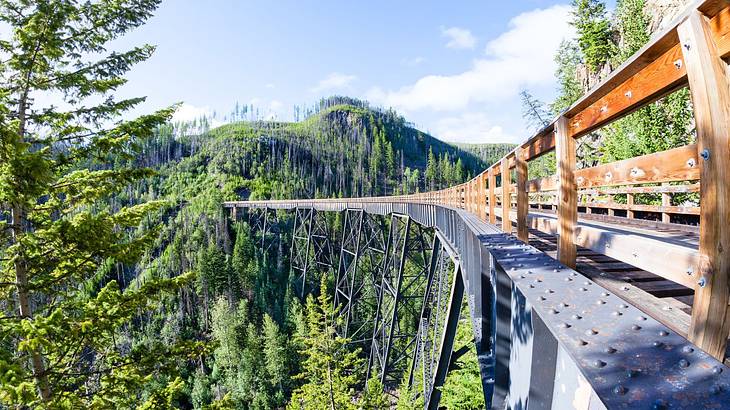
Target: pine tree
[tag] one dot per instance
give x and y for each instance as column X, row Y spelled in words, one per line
column 329, row 371
column 659, row 126
column 276, row 357
column 594, row 32
column 62, row 342
column 374, row 397
column 431, row 171
column 534, row 111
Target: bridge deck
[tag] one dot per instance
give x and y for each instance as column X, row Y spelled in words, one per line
column 646, row 285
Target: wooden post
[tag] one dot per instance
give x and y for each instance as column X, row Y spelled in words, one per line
column 522, row 200
column 710, row 90
column 506, row 197
column 610, row 204
column 492, row 198
column 629, row 203
column 666, row 201
column 567, row 192
column 483, row 196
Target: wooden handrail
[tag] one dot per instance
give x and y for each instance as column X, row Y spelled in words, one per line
column 689, row 52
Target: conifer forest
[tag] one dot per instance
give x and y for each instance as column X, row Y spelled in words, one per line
column 125, row 284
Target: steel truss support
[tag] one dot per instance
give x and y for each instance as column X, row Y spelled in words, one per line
column 265, row 222
column 311, row 248
column 347, row 266
column 360, row 277
column 404, row 278
column 438, row 322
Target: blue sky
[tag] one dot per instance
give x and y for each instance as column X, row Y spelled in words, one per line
column 452, row 68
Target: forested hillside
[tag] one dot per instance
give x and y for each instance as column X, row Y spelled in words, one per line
column 122, row 281
column 243, row 300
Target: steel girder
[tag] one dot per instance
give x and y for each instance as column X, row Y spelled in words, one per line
column 311, row 248
column 438, row 322
column 400, row 296
column 347, row 267
column 265, row 223
column 359, row 289
column 546, row 336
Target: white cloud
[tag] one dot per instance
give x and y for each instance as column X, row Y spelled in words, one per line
column 270, row 85
column 333, row 81
column 471, row 127
column 520, row 57
column 188, row 112
column 459, row 38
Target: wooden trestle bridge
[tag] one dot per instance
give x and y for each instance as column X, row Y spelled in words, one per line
column 631, row 313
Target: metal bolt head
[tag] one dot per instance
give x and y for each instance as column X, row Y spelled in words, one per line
column 688, row 349
column 599, row 363
column 683, row 363
column 620, row 390
column 702, row 282
column 705, row 154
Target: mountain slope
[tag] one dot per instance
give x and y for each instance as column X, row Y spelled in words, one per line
column 242, row 300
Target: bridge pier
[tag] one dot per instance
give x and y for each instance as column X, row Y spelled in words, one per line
column 544, row 334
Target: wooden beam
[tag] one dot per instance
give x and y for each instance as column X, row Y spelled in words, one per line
column 492, row 197
column 658, row 78
column 669, row 260
column 678, row 164
column 540, row 144
column 567, row 193
column 720, row 26
column 506, row 201
column 522, row 199
column 630, row 205
column 666, row 202
column 710, row 91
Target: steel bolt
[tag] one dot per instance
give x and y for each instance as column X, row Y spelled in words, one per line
column 635, row 327
column 609, row 350
column 702, row 282
column 657, row 343
column 688, row 349
column 705, row 154
column 620, row 390
column 663, row 333
column 659, row 405
column 599, row 363
column 683, row 363
column 601, row 302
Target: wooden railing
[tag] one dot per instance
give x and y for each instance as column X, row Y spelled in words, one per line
column 691, row 52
